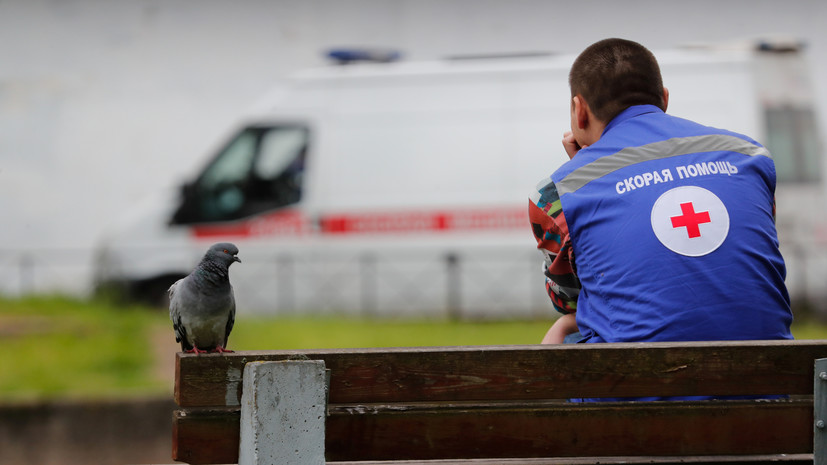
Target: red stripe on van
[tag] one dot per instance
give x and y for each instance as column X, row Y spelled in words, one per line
column 279, row 223
column 422, row 221
column 294, row 223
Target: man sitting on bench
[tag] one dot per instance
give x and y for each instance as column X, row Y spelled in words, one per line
column 658, row 228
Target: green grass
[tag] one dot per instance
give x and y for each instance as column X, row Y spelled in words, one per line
column 56, row 347
column 333, row 332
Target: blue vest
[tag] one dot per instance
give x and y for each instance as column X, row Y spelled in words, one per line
column 673, row 233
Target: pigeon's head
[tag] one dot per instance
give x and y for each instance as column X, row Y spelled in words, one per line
column 224, row 253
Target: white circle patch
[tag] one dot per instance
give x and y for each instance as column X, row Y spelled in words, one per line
column 690, row 220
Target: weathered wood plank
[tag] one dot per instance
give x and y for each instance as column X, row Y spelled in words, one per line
column 524, row 372
column 540, row 429
column 206, row 436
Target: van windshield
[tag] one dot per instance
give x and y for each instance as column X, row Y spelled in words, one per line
column 260, row 169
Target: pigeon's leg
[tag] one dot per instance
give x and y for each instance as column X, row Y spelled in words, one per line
column 221, row 350
column 195, row 350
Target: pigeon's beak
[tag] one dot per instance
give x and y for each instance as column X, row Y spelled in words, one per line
column 236, row 259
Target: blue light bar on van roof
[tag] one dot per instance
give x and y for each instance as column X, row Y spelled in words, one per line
column 780, row 45
column 351, row 55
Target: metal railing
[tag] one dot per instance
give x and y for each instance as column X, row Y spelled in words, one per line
column 454, row 285
column 46, row 271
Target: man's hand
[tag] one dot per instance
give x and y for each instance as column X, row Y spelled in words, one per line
column 570, row 144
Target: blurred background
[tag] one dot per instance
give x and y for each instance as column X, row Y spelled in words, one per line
column 104, row 105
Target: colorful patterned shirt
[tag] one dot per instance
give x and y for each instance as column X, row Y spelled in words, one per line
column 552, row 234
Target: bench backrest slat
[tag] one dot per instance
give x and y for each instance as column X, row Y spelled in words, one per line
column 525, row 372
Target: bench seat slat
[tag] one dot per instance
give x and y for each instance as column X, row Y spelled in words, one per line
column 787, row 459
column 524, row 372
column 543, row 429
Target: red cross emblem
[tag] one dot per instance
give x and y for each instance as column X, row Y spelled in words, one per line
column 690, row 220
column 690, row 207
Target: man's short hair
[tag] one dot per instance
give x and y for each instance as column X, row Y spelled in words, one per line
column 614, row 74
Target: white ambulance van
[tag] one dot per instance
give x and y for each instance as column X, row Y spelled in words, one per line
column 400, row 188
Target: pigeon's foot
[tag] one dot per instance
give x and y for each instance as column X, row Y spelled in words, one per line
column 221, row 350
column 195, row 350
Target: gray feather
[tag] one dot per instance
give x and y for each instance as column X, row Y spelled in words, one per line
column 202, row 304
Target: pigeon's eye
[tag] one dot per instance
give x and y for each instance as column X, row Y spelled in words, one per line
column 226, row 251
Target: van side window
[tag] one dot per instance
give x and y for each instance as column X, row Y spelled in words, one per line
column 792, row 138
column 260, row 170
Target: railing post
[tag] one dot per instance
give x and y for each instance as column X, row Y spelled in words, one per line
column 283, row 413
column 453, row 290
column 26, row 274
column 820, row 413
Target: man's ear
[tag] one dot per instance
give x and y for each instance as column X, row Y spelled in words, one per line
column 665, row 98
column 580, row 110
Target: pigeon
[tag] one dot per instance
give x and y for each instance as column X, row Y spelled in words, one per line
column 202, row 305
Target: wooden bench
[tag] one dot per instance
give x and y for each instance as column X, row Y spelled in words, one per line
column 507, row 404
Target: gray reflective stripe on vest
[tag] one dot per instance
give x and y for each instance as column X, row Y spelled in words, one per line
column 656, row 150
